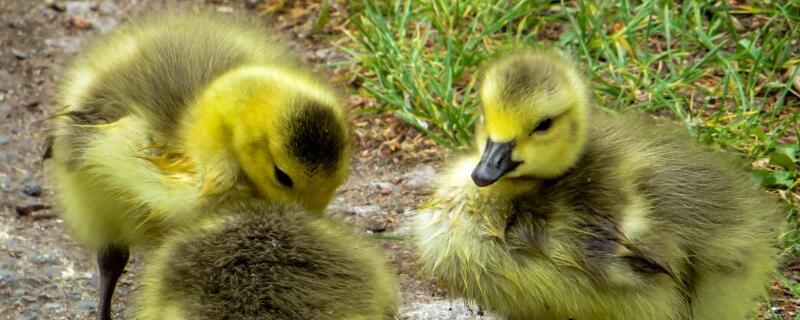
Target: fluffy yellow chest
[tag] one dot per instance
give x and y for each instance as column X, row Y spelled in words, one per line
column 461, row 243
column 461, row 239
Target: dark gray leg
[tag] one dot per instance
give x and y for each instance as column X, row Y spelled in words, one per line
column 111, row 263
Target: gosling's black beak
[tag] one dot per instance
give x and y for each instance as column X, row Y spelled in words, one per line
column 495, row 162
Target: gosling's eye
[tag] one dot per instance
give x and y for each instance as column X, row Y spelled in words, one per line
column 283, row 178
column 543, row 126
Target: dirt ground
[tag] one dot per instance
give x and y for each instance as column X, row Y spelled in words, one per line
column 44, row 274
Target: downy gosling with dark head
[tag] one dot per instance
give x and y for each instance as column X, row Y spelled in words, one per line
column 256, row 260
column 164, row 116
column 567, row 213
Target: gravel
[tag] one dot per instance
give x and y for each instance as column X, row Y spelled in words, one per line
column 420, row 177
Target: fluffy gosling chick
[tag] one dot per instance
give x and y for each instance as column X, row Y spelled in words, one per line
column 255, row 260
column 164, row 116
column 567, row 213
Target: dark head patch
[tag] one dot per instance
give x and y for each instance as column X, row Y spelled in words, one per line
column 524, row 75
column 316, row 137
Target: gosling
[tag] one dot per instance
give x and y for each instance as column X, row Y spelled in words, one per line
column 568, row 213
column 163, row 117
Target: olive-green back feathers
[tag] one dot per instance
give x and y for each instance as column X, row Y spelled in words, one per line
column 162, row 63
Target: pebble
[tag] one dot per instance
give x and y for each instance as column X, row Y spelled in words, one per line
column 5, row 80
column 105, row 24
column 12, row 243
column 78, row 8
column 86, row 305
column 47, row 296
column 363, row 211
column 37, row 258
column 420, row 177
column 32, row 189
column 8, row 262
column 52, row 272
column 383, row 187
column 3, row 139
column 252, row 4
column 56, row 5
column 5, row 108
column 20, row 55
column 7, row 278
column 52, row 306
column 26, row 317
column 68, row 44
column 444, row 309
column 376, row 223
column 107, row 7
column 403, row 230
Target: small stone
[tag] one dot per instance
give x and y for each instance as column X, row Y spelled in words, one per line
column 252, row 4
column 37, row 258
column 8, row 262
column 364, row 211
column 78, row 7
column 56, row 5
column 3, row 139
column 87, row 305
column 105, row 24
column 45, row 297
column 24, row 143
column 12, row 242
column 20, row 55
column 26, row 317
column 403, row 230
column 29, row 298
column 5, row 80
column 7, row 278
column 67, row 44
column 107, row 7
column 376, row 223
column 80, row 22
column 383, row 187
column 52, row 272
column 32, row 189
column 5, row 109
column 52, row 306
column 421, row 177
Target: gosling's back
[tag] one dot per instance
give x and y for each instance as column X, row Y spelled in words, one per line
column 154, row 69
column 267, row 262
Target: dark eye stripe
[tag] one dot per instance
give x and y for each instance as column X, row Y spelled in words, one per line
column 283, row 178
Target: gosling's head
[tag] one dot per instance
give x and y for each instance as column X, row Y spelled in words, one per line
column 533, row 122
column 287, row 132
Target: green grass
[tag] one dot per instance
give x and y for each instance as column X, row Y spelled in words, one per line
column 717, row 69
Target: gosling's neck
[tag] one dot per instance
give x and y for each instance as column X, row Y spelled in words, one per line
column 509, row 188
